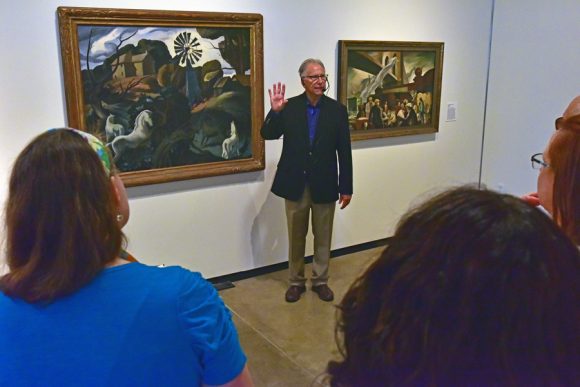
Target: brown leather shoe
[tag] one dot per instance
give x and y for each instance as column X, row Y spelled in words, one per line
column 294, row 292
column 324, row 292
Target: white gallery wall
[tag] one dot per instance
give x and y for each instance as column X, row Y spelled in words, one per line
column 227, row 224
column 534, row 74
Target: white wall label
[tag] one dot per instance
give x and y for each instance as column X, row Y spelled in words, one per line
column 451, row 111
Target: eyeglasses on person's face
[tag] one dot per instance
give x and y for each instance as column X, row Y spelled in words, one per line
column 538, row 161
column 314, row 78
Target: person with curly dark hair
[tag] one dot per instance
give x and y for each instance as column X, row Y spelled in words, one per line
column 475, row 288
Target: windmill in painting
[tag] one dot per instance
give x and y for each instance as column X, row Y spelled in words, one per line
column 188, row 51
column 167, row 96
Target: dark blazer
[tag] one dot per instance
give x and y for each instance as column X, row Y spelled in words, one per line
column 316, row 164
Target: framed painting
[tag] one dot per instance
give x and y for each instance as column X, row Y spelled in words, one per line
column 175, row 95
column 390, row 88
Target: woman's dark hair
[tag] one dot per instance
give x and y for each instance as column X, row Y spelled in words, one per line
column 475, row 288
column 564, row 156
column 61, row 224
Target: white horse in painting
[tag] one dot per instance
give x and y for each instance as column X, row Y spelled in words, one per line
column 141, row 133
column 112, row 128
column 230, row 146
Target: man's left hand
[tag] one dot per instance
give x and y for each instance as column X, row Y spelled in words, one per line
column 344, row 200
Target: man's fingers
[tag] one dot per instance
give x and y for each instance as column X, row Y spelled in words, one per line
column 277, row 100
column 279, row 89
column 344, row 200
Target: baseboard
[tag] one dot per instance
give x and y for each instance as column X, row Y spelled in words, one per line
column 226, row 281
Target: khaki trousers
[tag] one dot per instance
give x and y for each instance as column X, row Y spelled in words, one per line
column 297, row 214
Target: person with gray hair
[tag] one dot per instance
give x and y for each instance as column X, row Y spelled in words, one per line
column 314, row 171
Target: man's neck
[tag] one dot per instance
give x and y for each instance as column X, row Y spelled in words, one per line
column 312, row 99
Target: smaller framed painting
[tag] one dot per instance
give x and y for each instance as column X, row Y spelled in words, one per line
column 390, row 88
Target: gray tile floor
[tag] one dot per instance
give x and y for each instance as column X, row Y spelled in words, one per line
column 290, row 344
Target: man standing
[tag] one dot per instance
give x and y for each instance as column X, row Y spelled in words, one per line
column 315, row 130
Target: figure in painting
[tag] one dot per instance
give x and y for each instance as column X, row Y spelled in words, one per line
column 368, row 105
column 421, row 111
column 376, row 114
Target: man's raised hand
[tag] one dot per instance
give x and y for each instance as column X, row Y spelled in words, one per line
column 277, row 101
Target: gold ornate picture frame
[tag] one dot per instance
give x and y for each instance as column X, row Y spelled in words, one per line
column 390, row 88
column 176, row 95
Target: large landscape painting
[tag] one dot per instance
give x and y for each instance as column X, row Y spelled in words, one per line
column 175, row 95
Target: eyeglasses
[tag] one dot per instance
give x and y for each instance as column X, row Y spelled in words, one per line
column 313, row 78
column 538, row 161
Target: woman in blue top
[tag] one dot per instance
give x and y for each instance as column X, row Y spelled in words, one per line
column 72, row 311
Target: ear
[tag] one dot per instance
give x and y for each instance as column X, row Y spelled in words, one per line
column 114, row 186
column 121, row 200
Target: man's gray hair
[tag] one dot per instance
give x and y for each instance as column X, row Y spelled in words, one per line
column 308, row 61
